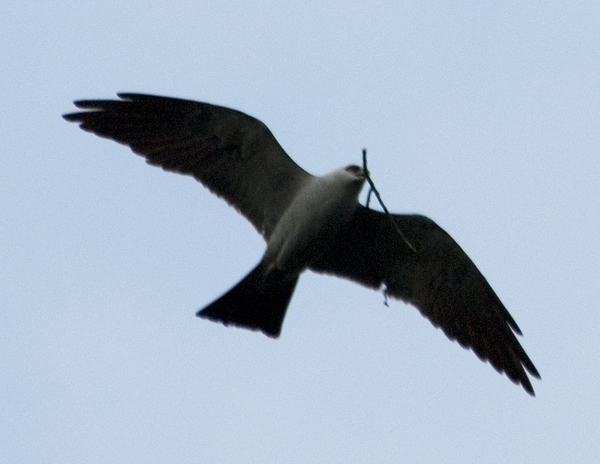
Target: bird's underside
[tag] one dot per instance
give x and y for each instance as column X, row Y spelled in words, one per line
column 312, row 223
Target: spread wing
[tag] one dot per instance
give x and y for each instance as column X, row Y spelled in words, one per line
column 438, row 278
column 234, row 155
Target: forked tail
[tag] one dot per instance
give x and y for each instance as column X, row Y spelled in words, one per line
column 258, row 302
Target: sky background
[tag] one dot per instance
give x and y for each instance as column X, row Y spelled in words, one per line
column 484, row 116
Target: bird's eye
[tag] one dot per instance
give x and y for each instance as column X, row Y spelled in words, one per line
column 354, row 169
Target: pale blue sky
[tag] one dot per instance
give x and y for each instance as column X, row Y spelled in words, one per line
column 483, row 116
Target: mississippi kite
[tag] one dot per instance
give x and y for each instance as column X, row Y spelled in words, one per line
column 311, row 223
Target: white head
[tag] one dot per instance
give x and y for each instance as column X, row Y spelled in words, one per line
column 356, row 171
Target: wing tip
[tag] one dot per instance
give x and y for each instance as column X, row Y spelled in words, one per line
column 528, row 387
column 71, row 117
column 519, row 373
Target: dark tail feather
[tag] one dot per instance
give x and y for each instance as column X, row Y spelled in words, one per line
column 259, row 301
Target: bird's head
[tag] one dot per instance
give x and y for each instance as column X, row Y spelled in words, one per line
column 357, row 171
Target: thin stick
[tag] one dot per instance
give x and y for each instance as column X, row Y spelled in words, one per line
column 385, row 210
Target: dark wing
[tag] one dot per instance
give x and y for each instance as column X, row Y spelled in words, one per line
column 438, row 278
column 229, row 152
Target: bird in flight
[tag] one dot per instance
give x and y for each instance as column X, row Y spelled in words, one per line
column 310, row 222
